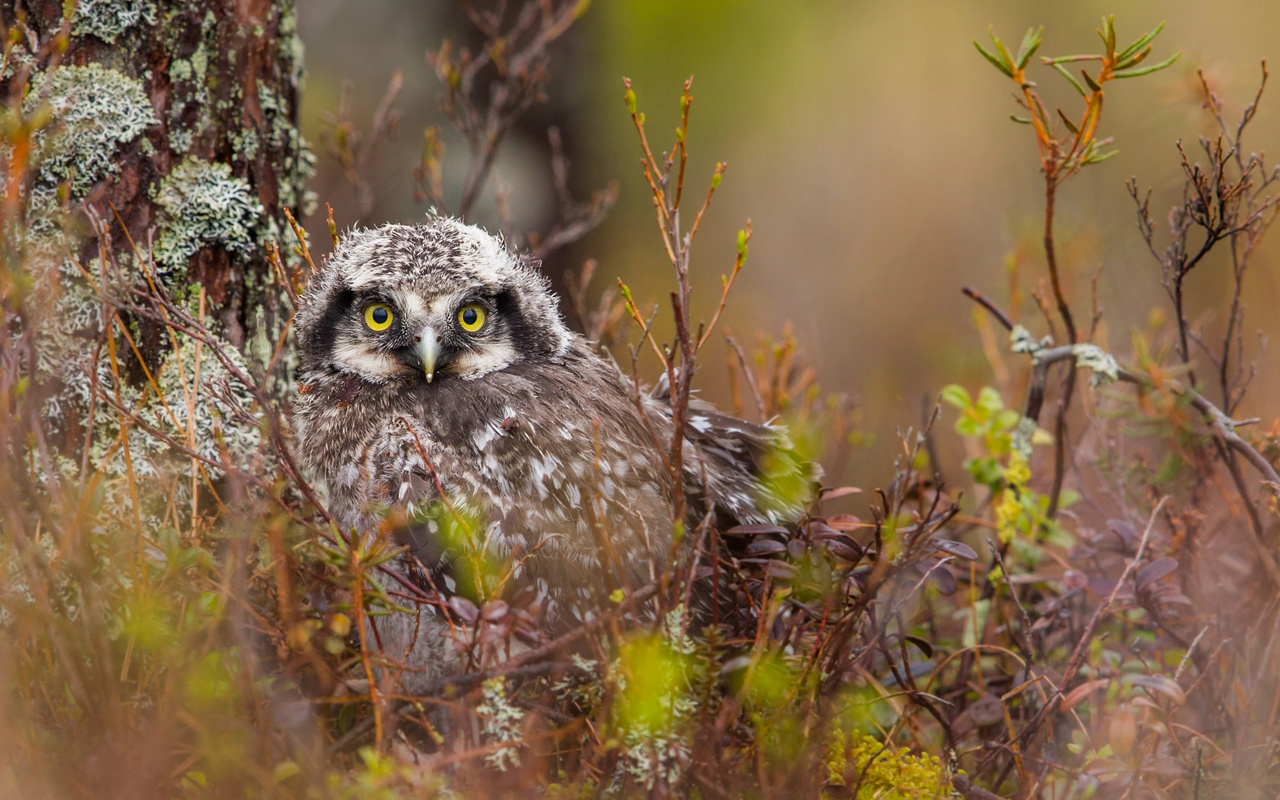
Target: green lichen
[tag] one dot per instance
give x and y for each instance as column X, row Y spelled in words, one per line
column 95, row 111
column 108, row 19
column 501, row 723
column 245, row 144
column 200, row 64
column 180, row 139
column 299, row 163
column 189, row 75
column 290, row 42
column 202, row 204
column 180, row 69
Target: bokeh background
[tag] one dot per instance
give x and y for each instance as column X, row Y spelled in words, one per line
column 869, row 144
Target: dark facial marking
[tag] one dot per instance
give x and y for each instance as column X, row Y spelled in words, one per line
column 319, row 349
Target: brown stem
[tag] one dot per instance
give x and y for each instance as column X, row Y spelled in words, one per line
column 996, row 311
column 1068, row 387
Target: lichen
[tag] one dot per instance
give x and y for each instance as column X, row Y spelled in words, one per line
column 189, row 75
column 204, row 407
column 299, row 162
column 108, row 19
column 95, row 111
column 291, row 49
column 1021, row 341
column 245, row 144
column 501, row 722
column 1103, row 364
column 203, row 203
column 180, row 69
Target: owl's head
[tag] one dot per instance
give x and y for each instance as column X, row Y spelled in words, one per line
column 431, row 302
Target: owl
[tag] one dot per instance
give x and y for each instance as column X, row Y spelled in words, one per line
column 443, row 399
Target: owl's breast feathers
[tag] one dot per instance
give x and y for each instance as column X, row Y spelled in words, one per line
column 552, row 459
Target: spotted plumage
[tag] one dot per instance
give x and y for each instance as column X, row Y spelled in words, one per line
column 442, row 392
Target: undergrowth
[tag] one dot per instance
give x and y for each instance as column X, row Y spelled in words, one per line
column 1090, row 612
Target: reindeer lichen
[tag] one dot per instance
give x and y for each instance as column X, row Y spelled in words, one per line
column 202, row 204
column 96, row 111
column 109, row 19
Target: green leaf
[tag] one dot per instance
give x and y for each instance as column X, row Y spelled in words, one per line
column 1094, row 85
column 1030, row 44
column 1136, row 60
column 1134, row 73
column 1071, row 126
column 989, row 401
column 1064, row 72
column 1069, row 59
column 630, row 99
column 284, row 771
column 956, row 396
column 1141, row 43
column 1099, row 158
column 985, row 470
column 967, row 425
column 1000, row 48
column 1019, row 120
column 1008, row 419
column 995, row 62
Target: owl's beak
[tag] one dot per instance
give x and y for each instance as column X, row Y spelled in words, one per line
column 428, row 351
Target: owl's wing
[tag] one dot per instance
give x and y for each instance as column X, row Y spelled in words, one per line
column 752, row 473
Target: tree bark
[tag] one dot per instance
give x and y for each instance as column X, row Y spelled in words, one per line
column 203, row 186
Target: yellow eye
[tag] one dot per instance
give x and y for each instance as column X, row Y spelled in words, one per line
column 471, row 318
column 378, row 317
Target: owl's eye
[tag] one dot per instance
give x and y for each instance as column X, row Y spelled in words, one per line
column 471, row 318
column 378, row 317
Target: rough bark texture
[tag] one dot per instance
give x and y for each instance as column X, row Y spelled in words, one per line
column 204, row 185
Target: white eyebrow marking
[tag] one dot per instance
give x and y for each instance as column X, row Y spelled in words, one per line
column 364, row 361
column 411, row 304
column 476, row 364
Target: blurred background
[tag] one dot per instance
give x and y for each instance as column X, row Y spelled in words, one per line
column 869, row 144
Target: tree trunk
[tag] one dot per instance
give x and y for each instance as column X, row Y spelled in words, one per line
column 180, row 118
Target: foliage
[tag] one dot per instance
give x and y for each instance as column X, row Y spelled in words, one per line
column 182, row 618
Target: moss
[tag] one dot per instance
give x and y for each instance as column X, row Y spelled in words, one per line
column 108, row 19
column 202, row 204
column 885, row 772
column 96, row 110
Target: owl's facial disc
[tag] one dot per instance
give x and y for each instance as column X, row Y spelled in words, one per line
column 462, row 335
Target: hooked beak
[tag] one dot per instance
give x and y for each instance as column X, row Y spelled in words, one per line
column 428, row 351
